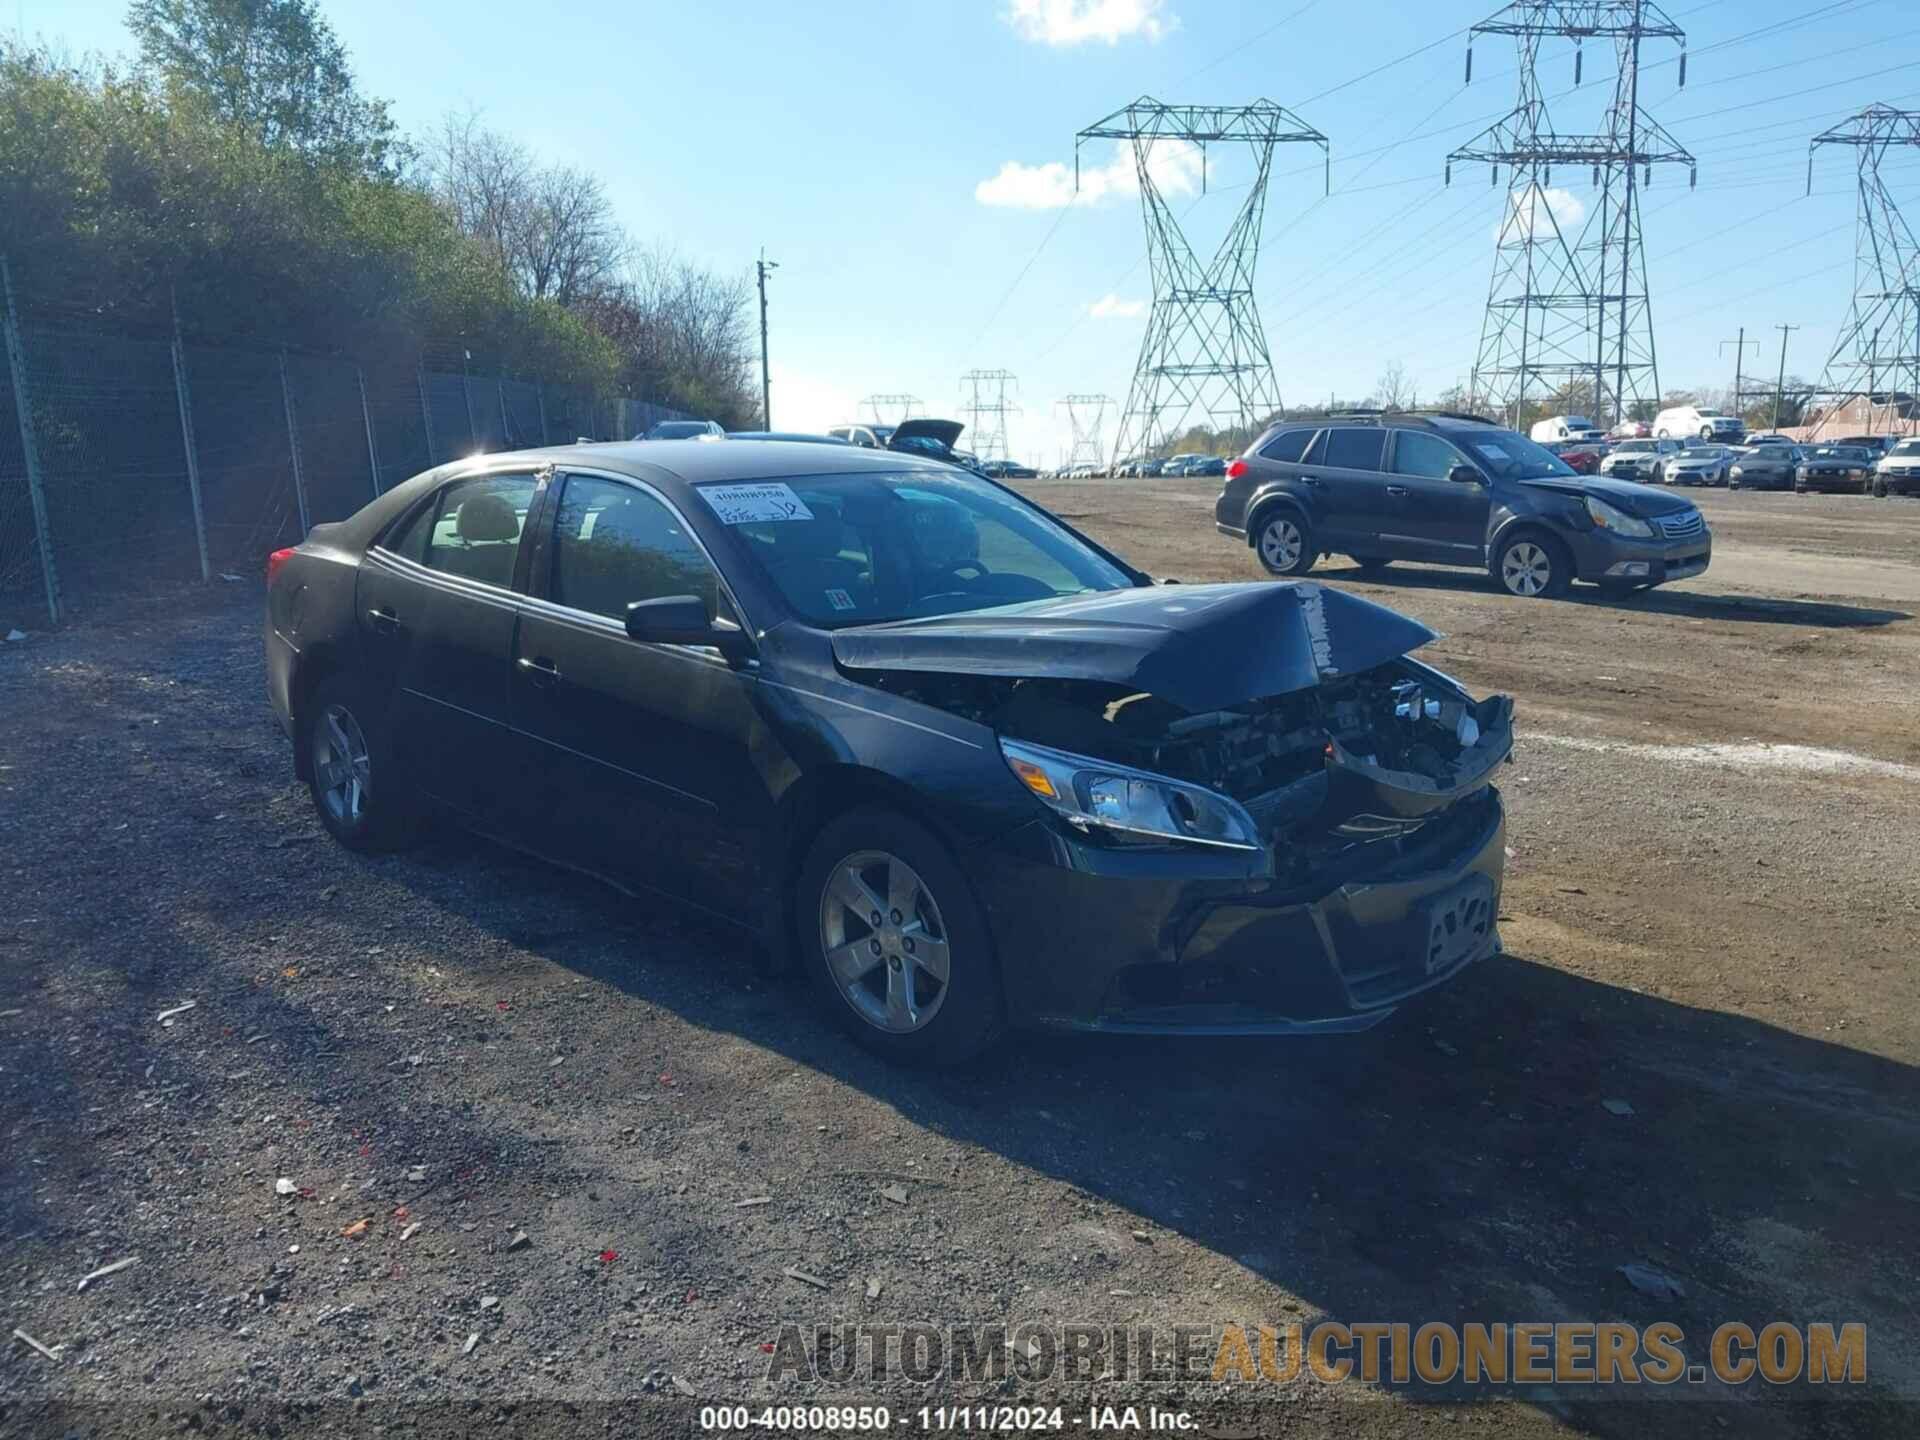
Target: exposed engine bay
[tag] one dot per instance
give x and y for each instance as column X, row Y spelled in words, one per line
column 1364, row 756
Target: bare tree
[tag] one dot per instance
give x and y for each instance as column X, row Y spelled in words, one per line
column 1394, row 390
column 685, row 335
column 551, row 227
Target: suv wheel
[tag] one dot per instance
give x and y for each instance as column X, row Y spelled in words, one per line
column 1285, row 543
column 1532, row 565
column 1880, row 487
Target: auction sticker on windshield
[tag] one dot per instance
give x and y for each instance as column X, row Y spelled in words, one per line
column 754, row 504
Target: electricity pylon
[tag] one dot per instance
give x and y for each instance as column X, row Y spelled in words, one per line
column 1204, row 358
column 1878, row 349
column 1087, row 415
column 892, row 409
column 1559, row 313
column 986, row 407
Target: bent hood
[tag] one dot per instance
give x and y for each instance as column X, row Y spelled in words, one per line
column 1201, row 647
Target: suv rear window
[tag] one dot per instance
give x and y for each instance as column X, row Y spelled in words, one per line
column 1354, row 449
column 1288, row 446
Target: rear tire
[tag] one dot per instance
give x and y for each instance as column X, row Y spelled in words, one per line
column 353, row 774
column 1284, row 542
column 922, row 989
column 1533, row 566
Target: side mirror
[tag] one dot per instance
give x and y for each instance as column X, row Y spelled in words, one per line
column 683, row 620
column 1466, row 475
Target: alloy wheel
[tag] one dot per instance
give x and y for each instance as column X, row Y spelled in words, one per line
column 885, row 944
column 341, row 764
column 1527, row 569
column 1280, row 544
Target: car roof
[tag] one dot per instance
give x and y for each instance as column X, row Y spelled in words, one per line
column 695, row 462
column 1408, row 419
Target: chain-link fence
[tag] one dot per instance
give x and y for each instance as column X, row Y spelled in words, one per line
column 128, row 463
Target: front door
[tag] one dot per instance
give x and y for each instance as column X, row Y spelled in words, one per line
column 639, row 753
column 1441, row 519
column 437, row 612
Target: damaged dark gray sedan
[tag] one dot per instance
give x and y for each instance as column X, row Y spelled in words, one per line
column 972, row 768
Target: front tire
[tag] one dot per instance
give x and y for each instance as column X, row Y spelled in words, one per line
column 895, row 942
column 352, row 774
column 1284, row 543
column 1533, row 566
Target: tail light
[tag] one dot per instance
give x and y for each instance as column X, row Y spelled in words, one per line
column 1236, row 469
column 274, row 562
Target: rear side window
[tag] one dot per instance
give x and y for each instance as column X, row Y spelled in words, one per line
column 1288, row 446
column 1354, row 449
column 472, row 529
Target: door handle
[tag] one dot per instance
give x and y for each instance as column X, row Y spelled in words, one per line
column 1311, row 480
column 1400, row 490
column 541, row 672
column 384, row 620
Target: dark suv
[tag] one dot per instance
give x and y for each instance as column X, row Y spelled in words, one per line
column 1452, row 490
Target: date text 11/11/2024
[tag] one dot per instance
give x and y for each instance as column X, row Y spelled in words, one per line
column 942, row 1419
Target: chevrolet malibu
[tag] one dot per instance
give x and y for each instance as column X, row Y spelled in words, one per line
column 969, row 768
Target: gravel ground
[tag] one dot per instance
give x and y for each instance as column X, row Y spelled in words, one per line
column 1711, row 916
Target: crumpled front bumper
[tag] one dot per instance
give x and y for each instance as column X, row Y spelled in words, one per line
column 1095, row 938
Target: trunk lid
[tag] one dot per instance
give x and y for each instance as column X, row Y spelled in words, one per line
column 942, row 432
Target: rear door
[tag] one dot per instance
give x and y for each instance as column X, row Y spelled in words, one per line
column 1438, row 518
column 641, row 751
column 1343, row 472
column 437, row 612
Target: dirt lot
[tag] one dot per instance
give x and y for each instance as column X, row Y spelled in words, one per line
column 1711, row 916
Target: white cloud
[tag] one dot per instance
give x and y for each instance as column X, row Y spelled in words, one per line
column 1112, row 307
column 1563, row 205
column 1074, row 22
column 1174, row 164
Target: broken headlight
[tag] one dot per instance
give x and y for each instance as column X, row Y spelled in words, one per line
column 1612, row 517
column 1092, row 794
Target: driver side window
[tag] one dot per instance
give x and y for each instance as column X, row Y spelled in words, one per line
column 614, row 544
column 1427, row 456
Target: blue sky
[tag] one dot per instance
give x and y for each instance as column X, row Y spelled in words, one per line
column 852, row 140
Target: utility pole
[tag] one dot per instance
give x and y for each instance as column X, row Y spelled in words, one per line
column 1739, row 354
column 1780, row 385
column 762, row 266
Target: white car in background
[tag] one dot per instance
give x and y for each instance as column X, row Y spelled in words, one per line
column 1698, row 465
column 1684, row 422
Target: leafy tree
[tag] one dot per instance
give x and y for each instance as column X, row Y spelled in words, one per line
column 273, row 68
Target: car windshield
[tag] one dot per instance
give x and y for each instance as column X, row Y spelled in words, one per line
column 1906, row 447
column 678, row 429
column 1838, row 452
column 857, row 549
column 1702, row 452
column 1510, row 456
